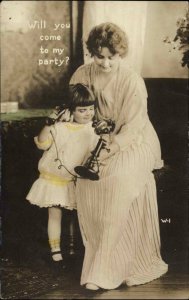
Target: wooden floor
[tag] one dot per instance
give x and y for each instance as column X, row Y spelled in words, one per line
column 173, row 285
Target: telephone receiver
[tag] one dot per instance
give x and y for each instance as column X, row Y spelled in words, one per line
column 60, row 110
column 90, row 170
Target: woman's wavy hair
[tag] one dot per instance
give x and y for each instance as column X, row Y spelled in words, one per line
column 107, row 35
column 80, row 95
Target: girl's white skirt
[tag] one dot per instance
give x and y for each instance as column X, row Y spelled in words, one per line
column 44, row 193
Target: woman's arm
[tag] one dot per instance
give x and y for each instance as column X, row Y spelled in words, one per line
column 81, row 75
column 133, row 116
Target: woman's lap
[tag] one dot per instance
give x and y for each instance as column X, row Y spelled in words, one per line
column 118, row 218
column 121, row 241
column 132, row 160
column 121, row 180
column 105, row 203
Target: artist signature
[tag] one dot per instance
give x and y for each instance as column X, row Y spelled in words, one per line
column 167, row 220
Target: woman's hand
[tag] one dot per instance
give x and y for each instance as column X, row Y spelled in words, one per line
column 110, row 150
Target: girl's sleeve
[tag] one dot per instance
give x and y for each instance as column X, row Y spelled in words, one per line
column 45, row 145
column 133, row 116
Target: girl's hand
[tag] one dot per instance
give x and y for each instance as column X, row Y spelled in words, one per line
column 65, row 116
column 60, row 114
column 54, row 114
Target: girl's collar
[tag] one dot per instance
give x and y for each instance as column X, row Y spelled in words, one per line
column 76, row 126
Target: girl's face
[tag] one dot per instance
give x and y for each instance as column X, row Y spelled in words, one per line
column 83, row 114
column 107, row 61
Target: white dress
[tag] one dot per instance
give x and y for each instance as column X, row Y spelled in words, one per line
column 68, row 145
column 118, row 214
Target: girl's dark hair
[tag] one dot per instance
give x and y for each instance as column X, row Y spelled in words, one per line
column 107, row 35
column 80, row 95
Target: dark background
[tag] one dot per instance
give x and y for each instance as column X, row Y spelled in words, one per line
column 24, row 226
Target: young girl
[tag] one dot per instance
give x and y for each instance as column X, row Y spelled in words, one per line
column 65, row 146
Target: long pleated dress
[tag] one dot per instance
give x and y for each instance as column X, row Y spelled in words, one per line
column 118, row 214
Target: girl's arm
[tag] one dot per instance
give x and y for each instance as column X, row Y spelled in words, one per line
column 44, row 134
column 44, row 140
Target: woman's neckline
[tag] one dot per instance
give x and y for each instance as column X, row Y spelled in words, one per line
column 104, row 74
column 103, row 79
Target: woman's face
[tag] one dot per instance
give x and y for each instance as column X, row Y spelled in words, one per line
column 107, row 61
column 83, row 114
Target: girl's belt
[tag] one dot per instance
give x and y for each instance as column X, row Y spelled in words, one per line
column 55, row 179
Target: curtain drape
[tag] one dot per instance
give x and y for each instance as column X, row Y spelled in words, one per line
column 76, row 49
column 129, row 15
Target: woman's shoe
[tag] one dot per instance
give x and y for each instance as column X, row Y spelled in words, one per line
column 92, row 286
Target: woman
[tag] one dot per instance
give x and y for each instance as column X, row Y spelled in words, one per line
column 118, row 214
